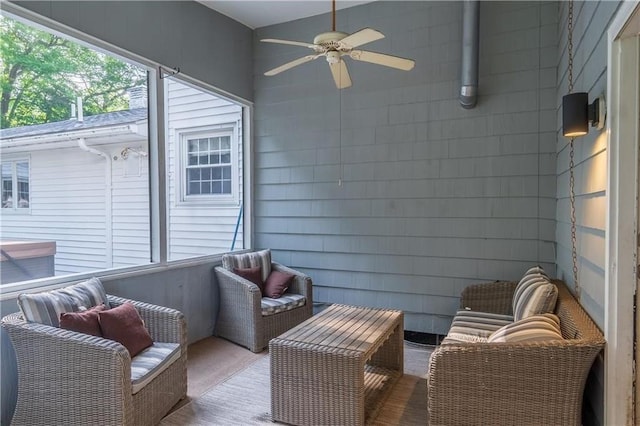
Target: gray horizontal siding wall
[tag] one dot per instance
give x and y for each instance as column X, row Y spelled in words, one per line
column 433, row 197
column 591, row 20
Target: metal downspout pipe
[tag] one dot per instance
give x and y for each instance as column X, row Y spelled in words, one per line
column 108, row 200
column 470, row 48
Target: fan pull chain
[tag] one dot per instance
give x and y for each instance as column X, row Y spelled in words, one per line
column 340, row 166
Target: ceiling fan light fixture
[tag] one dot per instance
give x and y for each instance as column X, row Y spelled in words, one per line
column 333, row 57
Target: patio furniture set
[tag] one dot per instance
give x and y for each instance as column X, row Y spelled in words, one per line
column 517, row 353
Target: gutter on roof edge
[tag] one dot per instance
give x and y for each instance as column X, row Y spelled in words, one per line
column 44, row 141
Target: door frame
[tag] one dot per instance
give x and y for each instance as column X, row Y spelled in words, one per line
column 621, row 252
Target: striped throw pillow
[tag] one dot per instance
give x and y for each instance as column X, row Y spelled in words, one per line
column 532, row 275
column 477, row 324
column 539, row 297
column 536, row 270
column 45, row 308
column 536, row 328
column 525, row 283
column 260, row 258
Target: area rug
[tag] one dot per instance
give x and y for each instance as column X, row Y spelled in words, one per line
column 244, row 399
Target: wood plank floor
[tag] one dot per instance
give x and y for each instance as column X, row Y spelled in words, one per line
column 211, row 361
column 226, row 383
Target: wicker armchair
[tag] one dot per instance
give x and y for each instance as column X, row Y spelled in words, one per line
column 69, row 378
column 240, row 318
column 514, row 383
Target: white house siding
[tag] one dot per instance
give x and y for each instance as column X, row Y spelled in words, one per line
column 591, row 20
column 196, row 228
column 131, row 210
column 68, row 206
column 433, row 197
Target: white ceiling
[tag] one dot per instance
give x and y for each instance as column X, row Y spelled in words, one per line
column 260, row 13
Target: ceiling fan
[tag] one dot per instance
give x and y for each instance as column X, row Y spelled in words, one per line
column 333, row 45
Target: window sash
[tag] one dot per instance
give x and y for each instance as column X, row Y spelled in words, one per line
column 15, row 185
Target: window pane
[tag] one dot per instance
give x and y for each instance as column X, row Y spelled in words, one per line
column 216, row 173
column 225, row 142
column 202, row 218
column 55, row 192
column 194, row 174
column 194, row 188
column 22, row 174
column 7, row 185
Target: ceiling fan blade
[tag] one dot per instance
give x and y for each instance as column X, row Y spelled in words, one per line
column 291, row 42
column 382, row 59
column 340, row 74
column 364, row 36
column 291, row 64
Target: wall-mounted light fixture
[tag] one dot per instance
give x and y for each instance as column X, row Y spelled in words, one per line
column 577, row 113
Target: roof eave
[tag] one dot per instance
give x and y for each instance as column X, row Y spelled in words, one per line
column 68, row 139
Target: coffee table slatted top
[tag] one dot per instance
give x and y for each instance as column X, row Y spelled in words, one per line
column 344, row 327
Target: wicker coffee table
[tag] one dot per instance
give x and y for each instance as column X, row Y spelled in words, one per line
column 337, row 366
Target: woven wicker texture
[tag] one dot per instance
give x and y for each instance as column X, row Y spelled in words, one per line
column 336, row 368
column 240, row 317
column 511, row 383
column 69, row 378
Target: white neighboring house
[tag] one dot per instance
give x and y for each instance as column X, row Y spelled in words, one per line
column 83, row 183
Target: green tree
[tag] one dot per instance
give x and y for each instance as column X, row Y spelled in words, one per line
column 41, row 74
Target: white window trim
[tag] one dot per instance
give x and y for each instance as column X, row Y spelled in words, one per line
column 182, row 136
column 14, row 178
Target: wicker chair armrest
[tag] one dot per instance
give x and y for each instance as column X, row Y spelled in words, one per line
column 495, row 297
column 246, row 295
column 76, row 362
column 301, row 283
column 509, row 382
column 164, row 324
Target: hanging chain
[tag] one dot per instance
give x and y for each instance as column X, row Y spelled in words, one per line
column 572, row 183
column 572, row 202
column 570, row 44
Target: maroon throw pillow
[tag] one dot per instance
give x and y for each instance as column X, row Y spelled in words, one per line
column 277, row 283
column 252, row 274
column 83, row 322
column 124, row 325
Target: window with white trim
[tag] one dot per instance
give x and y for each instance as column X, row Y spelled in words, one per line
column 208, row 166
column 15, row 184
